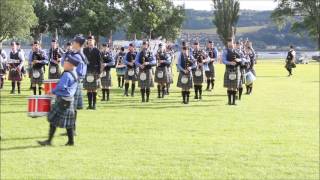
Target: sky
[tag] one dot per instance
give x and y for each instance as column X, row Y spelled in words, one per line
column 244, row 4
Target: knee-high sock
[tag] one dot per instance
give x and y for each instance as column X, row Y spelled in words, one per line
column 133, row 86
column 143, row 94
column 2, row 81
column 229, row 97
column 196, row 91
column 148, row 94
column 208, row 83
column 188, row 95
column 39, row 88
column 70, row 135
column 212, row 83
column 13, row 86
column 34, row 90
column 75, row 123
column 126, row 88
column 163, row 91
column 200, row 91
column 158, row 87
column 234, row 97
column 89, row 94
column 183, row 93
column 103, row 94
column 108, row 94
column 19, row 86
column 52, row 130
column 240, row 92
column 119, row 79
column 122, row 81
column 94, row 99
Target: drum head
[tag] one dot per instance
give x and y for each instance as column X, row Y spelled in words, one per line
column 232, row 76
column 198, row 72
column 35, row 74
column 184, row 79
column 143, row 76
column 90, row 78
column 53, row 69
column 130, row 72
column 160, row 74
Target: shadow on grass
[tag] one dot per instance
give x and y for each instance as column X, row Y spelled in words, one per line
column 12, row 112
column 24, row 138
column 20, row 148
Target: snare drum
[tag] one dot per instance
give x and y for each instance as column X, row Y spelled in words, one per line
column 39, row 105
column 49, row 85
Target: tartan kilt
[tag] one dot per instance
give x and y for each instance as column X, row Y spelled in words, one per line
column 78, row 97
column 15, row 75
column 170, row 75
column 149, row 80
column 232, row 84
column 96, row 84
column 132, row 78
column 63, row 118
column 121, row 71
column 106, row 80
column 188, row 85
column 165, row 78
column 211, row 73
column 289, row 65
column 197, row 79
column 38, row 80
column 55, row 75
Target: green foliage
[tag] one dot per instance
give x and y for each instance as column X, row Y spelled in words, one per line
column 42, row 12
column 304, row 13
column 16, row 18
column 272, row 134
column 226, row 15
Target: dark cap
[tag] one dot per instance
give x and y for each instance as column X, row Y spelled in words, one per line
column 145, row 43
column 68, row 43
column 53, row 40
column 122, row 48
column 196, row 43
column 17, row 43
column 13, row 43
column 210, row 42
column 131, row 44
column 238, row 42
column 160, row 45
column 90, row 37
column 79, row 39
column 36, row 42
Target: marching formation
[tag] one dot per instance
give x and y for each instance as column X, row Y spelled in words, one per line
column 85, row 66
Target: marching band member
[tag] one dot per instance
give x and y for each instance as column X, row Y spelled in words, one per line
column 131, row 72
column 108, row 63
column 170, row 54
column 290, row 60
column 232, row 73
column 185, row 64
column 145, row 60
column 54, row 55
column 20, row 50
column 37, row 60
column 92, row 79
column 3, row 66
column 63, row 112
column 197, row 71
column 15, row 66
column 252, row 55
column 120, row 67
column 209, row 65
column 161, row 74
column 244, row 61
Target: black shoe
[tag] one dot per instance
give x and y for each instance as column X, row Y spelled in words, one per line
column 200, row 97
column 126, row 94
column 44, row 143
column 196, row 97
column 103, row 99
column 69, row 144
column 89, row 107
column 12, row 92
column 93, row 108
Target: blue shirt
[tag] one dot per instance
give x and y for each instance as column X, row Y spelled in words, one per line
column 67, row 85
column 224, row 57
column 81, row 69
column 151, row 62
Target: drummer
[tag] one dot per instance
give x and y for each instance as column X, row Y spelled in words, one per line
column 63, row 113
column 15, row 67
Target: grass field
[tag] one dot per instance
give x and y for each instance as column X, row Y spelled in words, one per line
column 272, row 134
column 240, row 30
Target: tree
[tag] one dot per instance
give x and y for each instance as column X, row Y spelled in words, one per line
column 41, row 11
column 304, row 13
column 16, row 19
column 226, row 15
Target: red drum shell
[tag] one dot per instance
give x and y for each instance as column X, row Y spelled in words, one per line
column 39, row 105
column 49, row 85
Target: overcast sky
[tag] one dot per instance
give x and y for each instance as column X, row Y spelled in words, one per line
column 244, row 4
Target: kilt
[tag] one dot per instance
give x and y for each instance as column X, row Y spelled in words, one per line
column 95, row 84
column 187, row 85
column 78, row 99
column 232, row 84
column 170, row 75
column 121, row 71
column 15, row 75
column 149, row 79
column 38, row 80
column 210, row 74
column 63, row 118
column 133, row 78
column 106, row 80
column 289, row 65
column 197, row 79
column 55, row 75
column 164, row 78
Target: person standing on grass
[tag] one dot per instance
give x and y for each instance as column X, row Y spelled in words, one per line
column 15, row 67
column 55, row 54
column 3, row 67
column 249, row 51
column 37, row 61
column 244, row 61
column 170, row 53
column 232, row 73
column 290, row 60
column 92, row 80
column 131, row 71
column 108, row 63
column 62, row 113
column 145, row 60
column 185, row 64
column 120, row 67
column 209, row 65
column 161, row 73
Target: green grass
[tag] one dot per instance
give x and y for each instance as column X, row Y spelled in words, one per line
column 272, row 134
column 240, row 30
